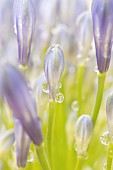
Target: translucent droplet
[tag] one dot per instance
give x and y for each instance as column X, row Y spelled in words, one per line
column 105, row 166
column 13, row 149
column 82, row 154
column 74, row 106
column 59, row 98
column 45, row 88
column 111, row 153
column 96, row 69
column 30, row 156
column 105, row 138
column 60, row 85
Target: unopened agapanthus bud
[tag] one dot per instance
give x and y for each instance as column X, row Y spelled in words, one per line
column 102, row 15
column 14, row 88
column 22, row 141
column 24, row 21
column 53, row 67
column 85, row 34
column 83, row 133
column 109, row 113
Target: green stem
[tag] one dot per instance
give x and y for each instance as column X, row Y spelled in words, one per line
column 80, row 73
column 101, row 81
column 110, row 155
column 42, row 158
column 109, row 159
column 50, row 131
column 78, row 164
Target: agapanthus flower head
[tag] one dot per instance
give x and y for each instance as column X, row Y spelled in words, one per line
column 83, row 133
column 15, row 90
column 109, row 113
column 24, row 21
column 53, row 67
column 23, row 142
column 102, row 15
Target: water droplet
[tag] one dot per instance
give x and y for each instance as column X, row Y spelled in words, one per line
column 30, row 156
column 105, row 138
column 105, row 166
column 96, row 69
column 60, row 85
column 45, row 88
column 74, row 106
column 59, row 98
column 111, row 153
column 13, row 149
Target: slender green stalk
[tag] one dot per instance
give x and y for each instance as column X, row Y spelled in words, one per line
column 59, row 137
column 101, row 81
column 110, row 156
column 80, row 73
column 42, row 158
column 78, row 164
column 50, row 131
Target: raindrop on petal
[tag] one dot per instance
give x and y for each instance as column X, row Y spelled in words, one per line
column 45, row 87
column 74, row 105
column 105, row 138
column 59, row 98
column 30, row 156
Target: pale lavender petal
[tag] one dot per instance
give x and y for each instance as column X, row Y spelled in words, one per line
column 102, row 15
column 22, row 143
column 53, row 67
column 14, row 88
column 24, row 21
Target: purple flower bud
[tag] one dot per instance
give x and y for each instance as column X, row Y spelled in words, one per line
column 15, row 90
column 109, row 113
column 24, row 27
column 83, row 133
column 102, row 15
column 53, row 67
column 22, row 144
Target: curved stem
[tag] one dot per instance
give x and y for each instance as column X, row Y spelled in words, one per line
column 101, row 81
column 78, row 164
column 42, row 157
column 50, row 130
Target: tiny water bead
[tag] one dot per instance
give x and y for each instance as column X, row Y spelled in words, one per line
column 105, row 166
column 59, row 98
column 75, row 106
column 30, row 156
column 45, row 88
column 105, row 138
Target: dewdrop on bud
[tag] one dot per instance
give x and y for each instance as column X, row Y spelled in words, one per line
column 83, row 131
column 53, row 67
column 109, row 113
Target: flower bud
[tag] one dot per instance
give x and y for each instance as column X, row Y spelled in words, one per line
column 83, row 133
column 85, row 34
column 53, row 67
column 24, row 27
column 14, row 88
column 22, row 144
column 109, row 113
column 102, row 15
